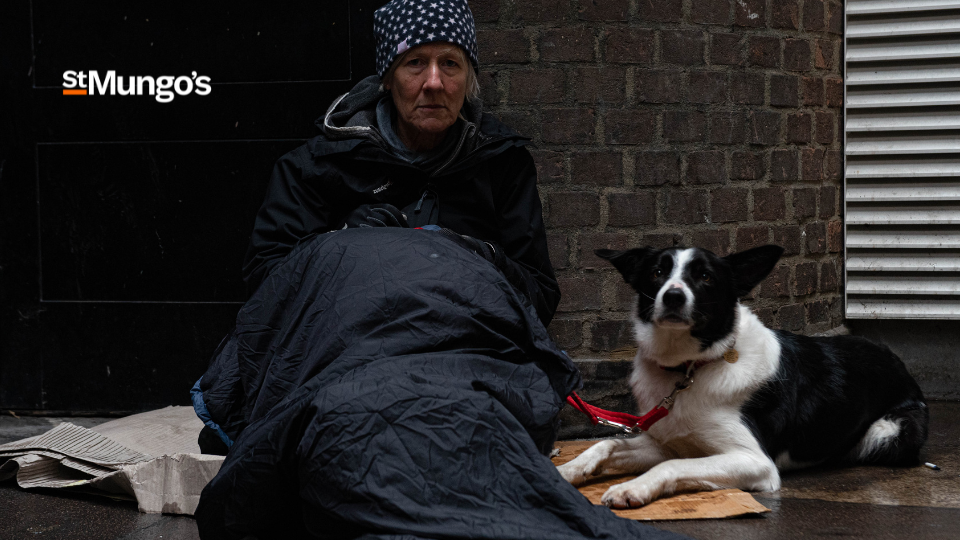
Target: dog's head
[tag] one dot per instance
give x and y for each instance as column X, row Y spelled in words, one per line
column 692, row 289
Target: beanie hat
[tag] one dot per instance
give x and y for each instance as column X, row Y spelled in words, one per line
column 404, row 24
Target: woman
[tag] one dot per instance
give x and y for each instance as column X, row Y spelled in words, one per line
column 383, row 382
column 412, row 147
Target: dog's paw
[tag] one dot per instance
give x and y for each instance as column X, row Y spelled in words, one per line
column 632, row 494
column 577, row 473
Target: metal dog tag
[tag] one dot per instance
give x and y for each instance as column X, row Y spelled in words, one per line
column 731, row 356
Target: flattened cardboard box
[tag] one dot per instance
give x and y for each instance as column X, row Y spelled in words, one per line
column 725, row 503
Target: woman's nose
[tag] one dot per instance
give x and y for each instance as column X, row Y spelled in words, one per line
column 433, row 81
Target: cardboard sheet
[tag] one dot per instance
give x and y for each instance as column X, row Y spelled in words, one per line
column 725, row 503
column 152, row 458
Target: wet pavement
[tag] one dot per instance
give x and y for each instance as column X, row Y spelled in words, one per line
column 917, row 503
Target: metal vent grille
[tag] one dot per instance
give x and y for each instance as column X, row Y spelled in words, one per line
column 902, row 146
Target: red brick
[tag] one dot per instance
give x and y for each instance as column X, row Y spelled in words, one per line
column 818, row 311
column 684, row 207
column 716, row 241
column 804, row 204
column 503, row 46
column 796, row 55
column 579, row 293
column 593, row 241
column 799, row 128
column 662, row 86
column 569, row 126
column 567, row 44
column 559, row 248
column 485, row 10
column 628, row 45
column 835, row 18
column 750, row 13
column 601, row 168
column 834, row 92
column 684, row 126
column 777, row 284
column 567, row 333
column 602, row 10
column 746, row 166
column 791, row 317
column 811, row 165
column 573, row 209
column 541, row 10
column 525, row 121
column 550, row 167
column 783, row 166
column 660, row 10
column 829, row 281
column 764, row 51
column 608, row 336
column 764, row 128
column 629, row 126
column 833, row 165
column 728, row 204
column 805, row 279
column 489, row 89
column 728, row 128
column 768, row 204
column 632, row 209
column 784, row 91
column 605, row 85
column 709, row 167
column 834, row 236
column 767, row 316
column 625, row 296
column 661, row 240
column 726, row 49
column 788, row 237
column 812, row 90
column 536, row 86
column 823, row 59
column 708, row 87
column 785, row 14
column 711, row 12
column 655, row 168
column 746, row 88
column 828, row 202
column 682, row 47
column 751, row 237
column 813, row 16
column 825, row 127
column 816, row 234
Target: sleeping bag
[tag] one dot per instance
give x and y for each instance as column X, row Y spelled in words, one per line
column 388, row 383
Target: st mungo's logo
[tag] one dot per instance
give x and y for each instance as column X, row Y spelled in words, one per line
column 164, row 88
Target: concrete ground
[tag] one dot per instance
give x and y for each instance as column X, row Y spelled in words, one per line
column 859, row 502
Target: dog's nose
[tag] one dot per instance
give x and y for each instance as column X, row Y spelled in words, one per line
column 673, row 298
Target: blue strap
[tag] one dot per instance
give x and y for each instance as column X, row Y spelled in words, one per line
column 196, row 395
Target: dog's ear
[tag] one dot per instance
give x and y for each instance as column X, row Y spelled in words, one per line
column 750, row 267
column 626, row 262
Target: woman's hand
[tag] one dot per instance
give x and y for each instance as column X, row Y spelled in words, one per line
column 375, row 215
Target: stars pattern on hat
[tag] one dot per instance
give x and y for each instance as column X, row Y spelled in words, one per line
column 403, row 24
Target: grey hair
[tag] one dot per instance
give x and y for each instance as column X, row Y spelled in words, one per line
column 473, row 83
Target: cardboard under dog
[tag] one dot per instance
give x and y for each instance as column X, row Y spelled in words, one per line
column 725, row 503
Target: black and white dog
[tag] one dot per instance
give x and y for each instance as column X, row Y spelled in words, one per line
column 786, row 401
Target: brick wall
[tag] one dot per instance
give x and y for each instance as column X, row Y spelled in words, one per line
column 711, row 123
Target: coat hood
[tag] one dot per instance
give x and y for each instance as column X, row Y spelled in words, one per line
column 352, row 119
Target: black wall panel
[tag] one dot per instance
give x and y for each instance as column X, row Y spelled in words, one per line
column 123, row 220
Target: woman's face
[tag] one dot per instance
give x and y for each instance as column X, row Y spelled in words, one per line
column 428, row 89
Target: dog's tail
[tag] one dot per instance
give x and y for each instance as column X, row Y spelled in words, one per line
column 896, row 438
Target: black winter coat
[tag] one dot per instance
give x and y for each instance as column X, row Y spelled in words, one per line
column 487, row 190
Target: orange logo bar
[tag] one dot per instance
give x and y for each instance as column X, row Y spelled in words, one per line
column 74, row 92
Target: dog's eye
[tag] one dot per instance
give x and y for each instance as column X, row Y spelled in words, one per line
column 657, row 272
column 705, row 277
